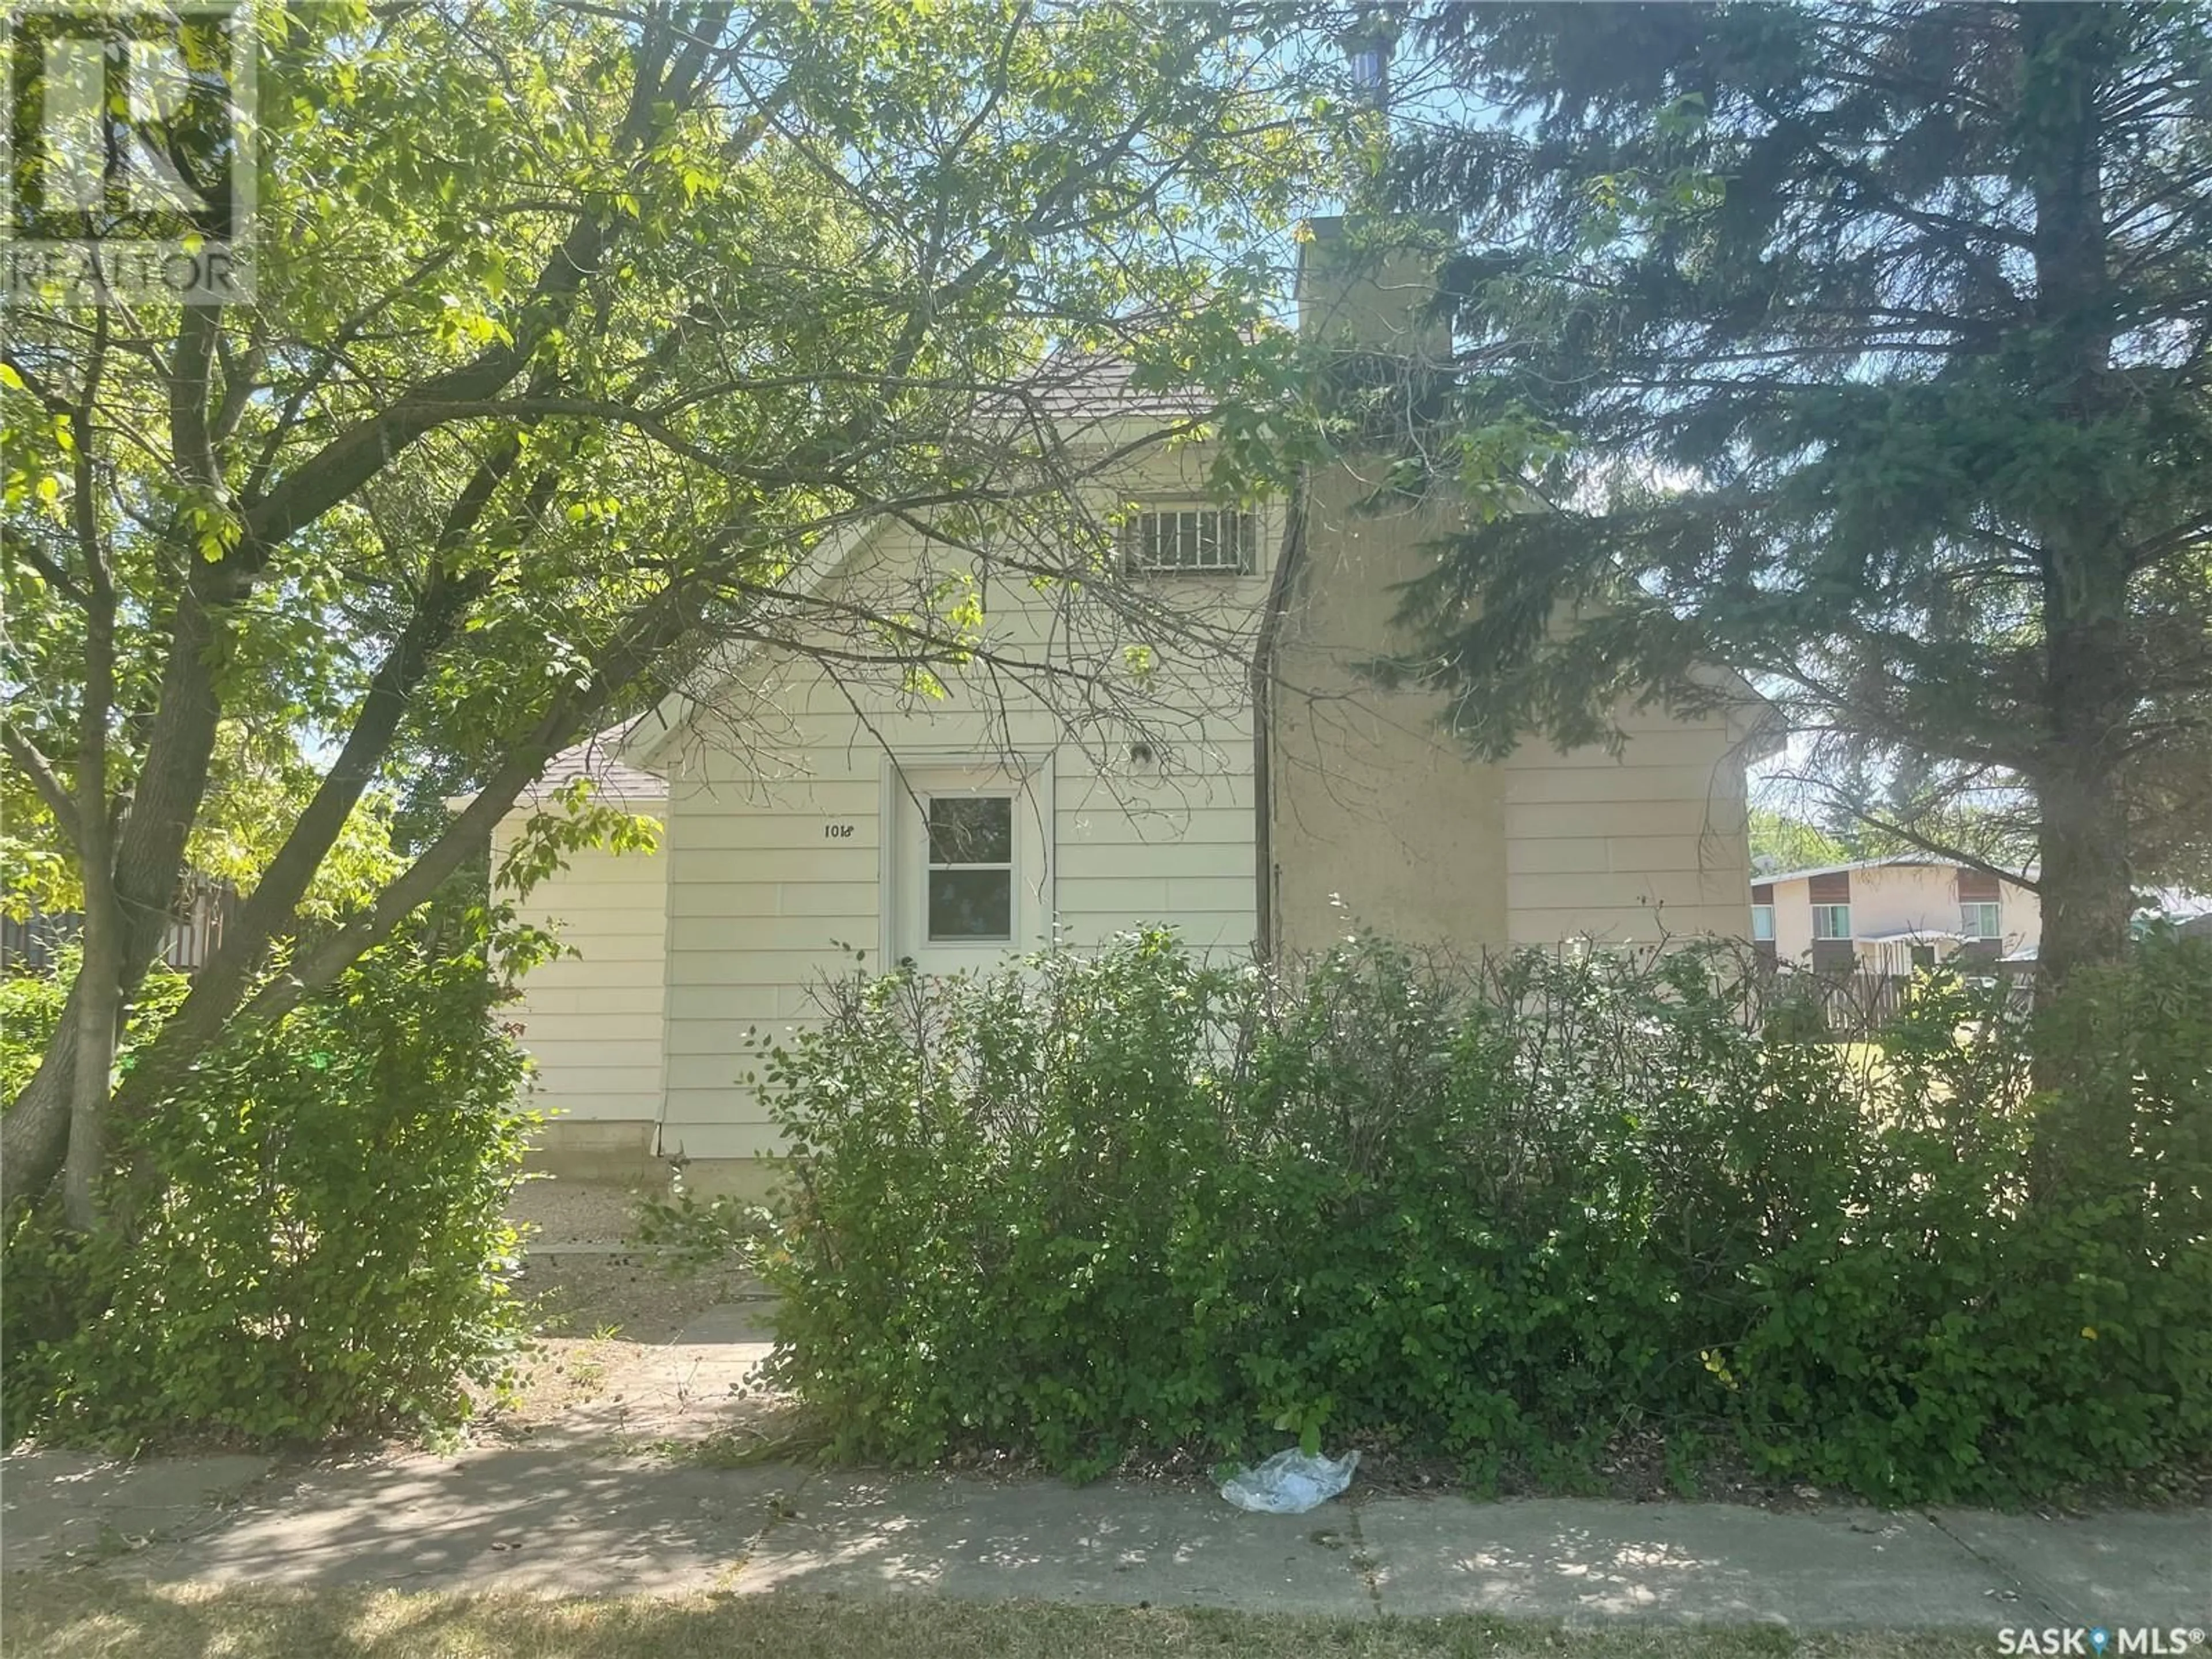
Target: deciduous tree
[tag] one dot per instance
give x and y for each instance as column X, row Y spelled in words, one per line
column 581, row 333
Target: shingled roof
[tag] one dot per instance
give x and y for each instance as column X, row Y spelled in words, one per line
column 599, row 757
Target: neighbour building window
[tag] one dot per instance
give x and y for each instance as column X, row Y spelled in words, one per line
column 971, row 867
column 1980, row 920
column 1832, row 921
column 1191, row 539
column 1762, row 921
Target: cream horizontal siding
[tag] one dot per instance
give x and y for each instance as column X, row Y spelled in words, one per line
column 633, row 1007
column 1633, row 891
column 1665, row 743
column 1112, row 826
column 1626, row 817
column 593, row 1018
column 1629, row 848
column 1631, row 781
column 737, row 967
column 762, row 895
column 697, row 1008
column 760, row 935
column 1160, row 860
column 769, row 898
column 1142, row 896
column 1578, row 853
column 1175, row 850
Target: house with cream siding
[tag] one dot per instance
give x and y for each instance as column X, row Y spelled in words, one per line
column 593, row 1016
column 1263, row 795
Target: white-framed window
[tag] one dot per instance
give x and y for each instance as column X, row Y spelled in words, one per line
column 1982, row 920
column 968, row 859
column 968, row 897
column 1762, row 922
column 1205, row 540
column 1832, row 921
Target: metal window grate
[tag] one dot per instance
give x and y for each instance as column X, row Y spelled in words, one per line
column 1206, row 539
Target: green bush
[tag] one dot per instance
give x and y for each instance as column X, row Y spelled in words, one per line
column 318, row 1242
column 1131, row 1202
column 31, row 1006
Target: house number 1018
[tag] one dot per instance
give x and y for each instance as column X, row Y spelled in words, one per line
column 836, row 832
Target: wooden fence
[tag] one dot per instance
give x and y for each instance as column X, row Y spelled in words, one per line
column 32, row 946
column 1854, row 1006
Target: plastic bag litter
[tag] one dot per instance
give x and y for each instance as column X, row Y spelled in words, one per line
column 1290, row 1483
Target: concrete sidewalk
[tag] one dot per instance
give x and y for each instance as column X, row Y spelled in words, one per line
column 562, row 1518
column 569, row 1510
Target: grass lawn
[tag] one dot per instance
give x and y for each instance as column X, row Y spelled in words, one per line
column 79, row 1615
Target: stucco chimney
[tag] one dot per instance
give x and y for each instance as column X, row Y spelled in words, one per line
column 1376, row 817
column 1370, row 284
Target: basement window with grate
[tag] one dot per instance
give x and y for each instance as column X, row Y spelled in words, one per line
column 1191, row 540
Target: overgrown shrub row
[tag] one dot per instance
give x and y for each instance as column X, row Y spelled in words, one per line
column 309, row 1234
column 1133, row 1202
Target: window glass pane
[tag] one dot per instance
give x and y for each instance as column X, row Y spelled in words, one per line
column 1832, row 921
column 1980, row 921
column 971, row 904
column 971, row 830
column 1762, row 921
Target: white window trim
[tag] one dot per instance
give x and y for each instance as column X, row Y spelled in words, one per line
column 1820, row 938
column 1767, row 911
column 1995, row 907
column 903, row 854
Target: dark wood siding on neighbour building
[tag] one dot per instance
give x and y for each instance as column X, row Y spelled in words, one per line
column 1979, row 887
column 1833, row 956
column 1762, row 892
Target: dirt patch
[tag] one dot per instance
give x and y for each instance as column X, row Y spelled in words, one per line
column 629, row 1296
column 552, row 1211
column 606, row 1393
column 584, row 1277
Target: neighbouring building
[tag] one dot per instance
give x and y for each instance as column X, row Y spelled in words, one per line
column 1888, row 916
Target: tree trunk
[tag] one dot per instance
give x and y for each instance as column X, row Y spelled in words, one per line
column 2086, row 886
column 140, row 858
column 98, row 1028
column 2088, row 692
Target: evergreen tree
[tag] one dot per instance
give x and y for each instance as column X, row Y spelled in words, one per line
column 1863, row 348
